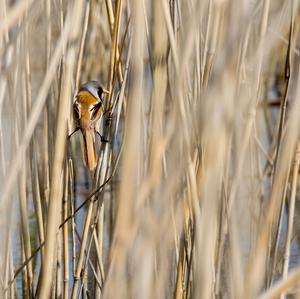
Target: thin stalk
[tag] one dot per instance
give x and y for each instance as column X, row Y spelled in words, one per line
column 283, row 104
column 111, row 19
column 180, row 271
column 207, row 35
column 59, row 263
column 13, row 289
column 99, row 252
column 24, row 204
column 220, row 247
column 37, row 199
column 45, row 177
column 65, row 234
column 88, row 199
column 86, row 230
column 33, row 119
column 48, row 32
column 72, row 203
column 87, row 260
column 82, row 44
column 25, row 229
column 25, row 288
column 79, row 266
column 60, row 142
column 7, row 262
column 282, row 285
column 291, row 212
column 14, row 15
column 113, row 57
column 278, row 233
column 77, row 274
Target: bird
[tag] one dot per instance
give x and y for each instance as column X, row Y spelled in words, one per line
column 87, row 110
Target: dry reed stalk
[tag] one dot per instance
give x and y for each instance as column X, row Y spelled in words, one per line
column 171, row 35
column 98, row 243
column 7, row 263
column 71, row 180
column 48, row 34
column 90, row 207
column 278, row 231
column 252, row 113
column 221, row 251
column 87, row 224
column 25, row 229
column 65, row 233
column 114, row 50
column 242, row 153
column 37, row 200
column 45, row 173
column 25, row 288
column 87, row 260
column 121, row 98
column 33, row 118
column 130, row 159
column 282, row 286
column 207, row 36
column 57, row 281
column 5, row 38
column 235, row 289
column 77, row 272
column 13, row 288
column 291, row 212
column 275, row 197
column 179, row 291
column 111, row 18
column 100, row 176
column 283, row 106
column 82, row 44
column 33, row 148
column 115, row 58
column 212, row 33
column 13, row 16
column 52, row 221
column 84, row 274
column 99, row 250
column 105, row 156
column 70, row 121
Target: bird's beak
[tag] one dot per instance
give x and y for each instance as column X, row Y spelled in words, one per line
column 106, row 91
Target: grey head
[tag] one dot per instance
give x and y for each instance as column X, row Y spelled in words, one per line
column 95, row 89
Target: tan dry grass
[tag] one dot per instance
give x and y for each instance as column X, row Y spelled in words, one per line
column 188, row 199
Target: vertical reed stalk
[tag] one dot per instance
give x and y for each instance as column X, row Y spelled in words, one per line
column 59, row 156
column 65, row 232
column 77, row 273
column 291, row 213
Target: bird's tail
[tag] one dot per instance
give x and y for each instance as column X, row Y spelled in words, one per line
column 89, row 149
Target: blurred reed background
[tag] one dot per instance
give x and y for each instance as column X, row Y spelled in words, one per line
column 196, row 194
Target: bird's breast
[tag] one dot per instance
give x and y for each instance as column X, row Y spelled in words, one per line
column 85, row 102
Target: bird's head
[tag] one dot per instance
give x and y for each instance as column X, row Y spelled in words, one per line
column 95, row 89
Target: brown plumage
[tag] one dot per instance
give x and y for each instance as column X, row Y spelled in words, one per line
column 87, row 110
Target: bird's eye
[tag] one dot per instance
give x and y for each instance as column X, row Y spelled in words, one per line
column 100, row 92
